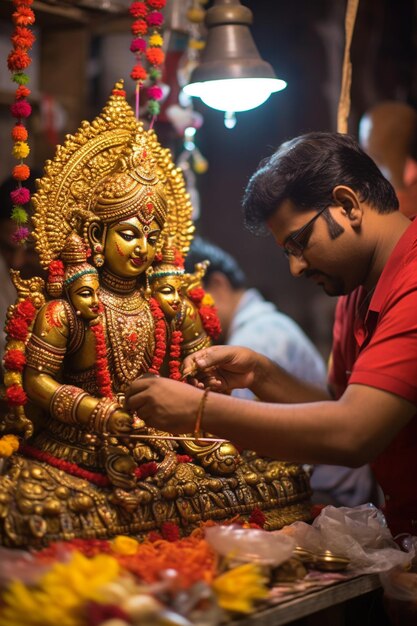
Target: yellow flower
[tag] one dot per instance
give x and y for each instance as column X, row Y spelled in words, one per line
column 12, row 378
column 155, row 40
column 237, row 589
column 59, row 597
column 15, row 344
column 125, row 545
column 8, row 445
column 20, row 150
column 207, row 300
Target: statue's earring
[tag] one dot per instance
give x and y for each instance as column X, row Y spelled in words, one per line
column 148, row 290
column 98, row 258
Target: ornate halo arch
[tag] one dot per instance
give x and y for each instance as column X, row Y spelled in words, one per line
column 64, row 192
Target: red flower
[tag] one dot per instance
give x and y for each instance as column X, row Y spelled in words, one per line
column 157, row 4
column 155, row 56
column 138, row 9
column 155, row 92
column 56, row 268
column 21, row 172
column 184, row 458
column 19, row 133
column 155, row 19
column 14, row 360
column 21, row 108
column 178, row 258
column 139, row 27
column 22, row 3
column 196, row 294
column 21, row 195
column 16, row 396
column 257, row 517
column 22, row 92
column 18, row 60
column 210, row 321
column 23, row 37
column 138, row 73
column 23, row 16
column 145, row 470
column 154, row 536
column 17, row 328
column 26, row 310
column 170, row 531
column 102, row 366
column 138, row 45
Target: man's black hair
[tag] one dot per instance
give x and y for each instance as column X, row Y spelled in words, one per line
column 306, row 169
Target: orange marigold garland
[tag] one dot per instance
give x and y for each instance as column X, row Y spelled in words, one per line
column 19, row 60
column 160, row 337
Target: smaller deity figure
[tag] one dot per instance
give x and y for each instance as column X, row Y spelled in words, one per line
column 81, row 280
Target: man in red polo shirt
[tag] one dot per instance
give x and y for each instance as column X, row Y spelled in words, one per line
column 336, row 217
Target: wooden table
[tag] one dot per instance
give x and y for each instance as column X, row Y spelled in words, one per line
column 327, row 606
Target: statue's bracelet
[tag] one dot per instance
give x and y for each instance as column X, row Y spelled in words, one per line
column 99, row 418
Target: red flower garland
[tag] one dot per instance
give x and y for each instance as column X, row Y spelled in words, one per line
column 160, row 337
column 208, row 313
column 175, row 354
column 102, row 366
column 257, row 517
column 170, row 531
column 145, row 470
column 70, row 468
column 17, row 61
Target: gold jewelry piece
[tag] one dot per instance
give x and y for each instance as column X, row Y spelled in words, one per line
column 101, row 414
column 65, row 402
column 200, row 413
column 44, row 357
column 117, row 284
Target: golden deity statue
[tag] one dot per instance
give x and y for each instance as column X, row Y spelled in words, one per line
column 112, row 225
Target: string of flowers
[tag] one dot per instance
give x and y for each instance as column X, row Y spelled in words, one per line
column 207, row 311
column 18, row 61
column 8, row 445
column 147, row 15
column 66, row 466
column 160, row 337
column 17, row 329
column 102, row 366
column 175, row 354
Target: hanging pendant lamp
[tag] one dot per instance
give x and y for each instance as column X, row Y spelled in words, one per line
column 232, row 76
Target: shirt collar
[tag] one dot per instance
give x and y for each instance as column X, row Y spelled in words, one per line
column 394, row 264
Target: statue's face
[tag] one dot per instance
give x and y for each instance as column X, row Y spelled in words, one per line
column 166, row 292
column 130, row 247
column 83, row 294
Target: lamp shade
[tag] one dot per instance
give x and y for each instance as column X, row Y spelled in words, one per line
column 231, row 75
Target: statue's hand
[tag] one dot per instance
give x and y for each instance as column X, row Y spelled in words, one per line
column 120, row 422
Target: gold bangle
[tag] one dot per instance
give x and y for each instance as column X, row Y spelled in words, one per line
column 200, row 412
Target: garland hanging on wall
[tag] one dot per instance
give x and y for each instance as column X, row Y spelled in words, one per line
column 18, row 61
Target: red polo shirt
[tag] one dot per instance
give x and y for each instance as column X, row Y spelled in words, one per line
column 378, row 347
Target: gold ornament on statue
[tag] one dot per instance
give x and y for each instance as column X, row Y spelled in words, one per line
column 112, row 225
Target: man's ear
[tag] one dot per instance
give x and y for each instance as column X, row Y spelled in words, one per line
column 410, row 171
column 346, row 198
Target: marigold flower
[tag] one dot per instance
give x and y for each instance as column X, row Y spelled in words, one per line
column 22, row 92
column 21, row 172
column 139, row 27
column 239, row 588
column 14, row 360
column 16, row 396
column 26, row 310
column 20, row 150
column 21, row 195
column 156, row 40
column 23, row 37
column 155, row 92
column 138, row 73
column 8, row 445
column 19, row 215
column 21, row 108
column 12, row 378
column 23, row 16
column 155, row 19
column 207, row 300
column 20, row 235
column 138, row 9
column 18, row 60
column 19, row 133
column 157, row 4
column 124, row 545
column 170, row 531
column 155, row 56
column 138, row 45
column 17, row 328
column 56, row 268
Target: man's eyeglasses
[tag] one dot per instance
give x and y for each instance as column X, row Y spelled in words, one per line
column 295, row 245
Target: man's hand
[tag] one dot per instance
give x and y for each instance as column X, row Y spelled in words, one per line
column 164, row 404
column 223, row 368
